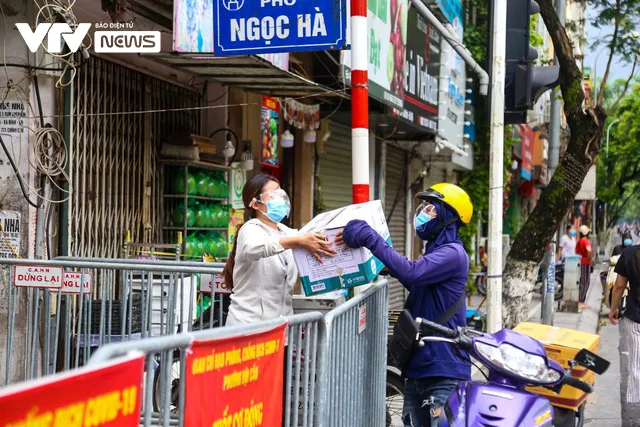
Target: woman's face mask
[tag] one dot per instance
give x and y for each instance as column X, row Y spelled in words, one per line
column 277, row 202
column 572, row 233
column 628, row 242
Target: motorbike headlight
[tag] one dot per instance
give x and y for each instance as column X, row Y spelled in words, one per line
column 529, row 367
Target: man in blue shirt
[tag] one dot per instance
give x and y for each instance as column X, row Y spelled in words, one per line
column 436, row 282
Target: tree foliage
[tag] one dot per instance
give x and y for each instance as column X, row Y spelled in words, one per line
column 619, row 169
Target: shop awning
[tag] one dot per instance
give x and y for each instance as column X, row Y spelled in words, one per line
column 251, row 73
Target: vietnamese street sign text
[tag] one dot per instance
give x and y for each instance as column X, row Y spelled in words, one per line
column 243, row 27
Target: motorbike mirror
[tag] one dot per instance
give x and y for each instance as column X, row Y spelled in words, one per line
column 592, row 361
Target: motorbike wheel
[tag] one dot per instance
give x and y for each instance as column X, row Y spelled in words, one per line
column 563, row 417
column 481, row 286
column 395, row 400
column 172, row 388
column 559, row 291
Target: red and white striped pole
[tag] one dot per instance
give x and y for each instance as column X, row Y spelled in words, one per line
column 359, row 101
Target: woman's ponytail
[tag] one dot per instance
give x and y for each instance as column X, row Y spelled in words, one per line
column 227, row 273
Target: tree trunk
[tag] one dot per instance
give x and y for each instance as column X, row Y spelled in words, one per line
column 584, row 145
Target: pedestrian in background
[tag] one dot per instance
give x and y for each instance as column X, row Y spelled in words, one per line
column 437, row 288
column 583, row 248
column 568, row 243
column 628, row 269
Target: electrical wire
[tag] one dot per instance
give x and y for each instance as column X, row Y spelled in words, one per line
column 181, row 109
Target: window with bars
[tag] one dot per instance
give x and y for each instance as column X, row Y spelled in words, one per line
column 119, row 119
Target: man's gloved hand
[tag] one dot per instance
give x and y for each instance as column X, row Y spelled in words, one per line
column 358, row 233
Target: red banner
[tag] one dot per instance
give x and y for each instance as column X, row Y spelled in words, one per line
column 236, row 381
column 107, row 396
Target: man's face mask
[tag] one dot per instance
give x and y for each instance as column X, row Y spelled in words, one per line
column 425, row 213
column 628, row 242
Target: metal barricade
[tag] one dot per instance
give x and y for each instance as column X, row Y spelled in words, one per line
column 100, row 301
column 352, row 362
column 164, row 392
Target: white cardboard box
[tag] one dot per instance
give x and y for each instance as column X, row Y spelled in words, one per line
column 351, row 267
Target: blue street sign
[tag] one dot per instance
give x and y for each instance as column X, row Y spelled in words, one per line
column 244, row 27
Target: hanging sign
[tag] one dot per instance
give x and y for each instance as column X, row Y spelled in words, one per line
column 302, row 116
column 34, row 276
column 244, row 27
column 236, row 380
column 107, row 396
column 72, row 281
column 269, row 131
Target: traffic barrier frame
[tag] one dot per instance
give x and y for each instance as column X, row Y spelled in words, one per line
column 78, row 325
column 352, row 361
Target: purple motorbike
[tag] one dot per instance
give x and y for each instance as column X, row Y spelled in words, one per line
column 514, row 361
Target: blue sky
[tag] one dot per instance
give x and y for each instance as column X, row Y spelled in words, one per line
column 618, row 69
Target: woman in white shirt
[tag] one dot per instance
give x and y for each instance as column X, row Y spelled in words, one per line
column 567, row 245
column 261, row 270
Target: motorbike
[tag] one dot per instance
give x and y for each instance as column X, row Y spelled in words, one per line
column 514, row 361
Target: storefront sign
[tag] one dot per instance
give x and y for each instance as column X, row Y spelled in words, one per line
column 528, row 137
column 451, row 101
column 269, row 131
column 388, row 25
column 106, row 396
column 238, row 179
column 209, row 282
column 10, row 239
column 33, row 276
column 245, row 27
column 236, row 381
column 12, row 121
column 423, row 57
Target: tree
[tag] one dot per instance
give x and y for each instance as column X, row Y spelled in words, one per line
column 585, row 142
column 620, row 169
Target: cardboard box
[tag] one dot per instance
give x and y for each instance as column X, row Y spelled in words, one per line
column 351, row 267
column 562, row 345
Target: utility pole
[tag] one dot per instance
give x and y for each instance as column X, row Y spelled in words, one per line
column 496, row 177
column 554, row 154
column 359, row 101
column 606, row 205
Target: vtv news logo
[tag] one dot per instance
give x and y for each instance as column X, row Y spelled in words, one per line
column 104, row 41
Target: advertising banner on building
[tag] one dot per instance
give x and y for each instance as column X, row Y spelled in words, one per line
column 269, row 132
column 528, row 139
column 388, row 26
column 421, row 70
column 236, row 380
column 107, row 396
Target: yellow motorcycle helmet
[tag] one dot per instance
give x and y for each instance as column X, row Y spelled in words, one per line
column 452, row 196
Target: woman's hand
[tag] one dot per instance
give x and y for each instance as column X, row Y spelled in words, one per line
column 317, row 244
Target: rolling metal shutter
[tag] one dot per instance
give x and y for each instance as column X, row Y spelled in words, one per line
column 395, row 189
column 115, row 177
column 334, row 170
